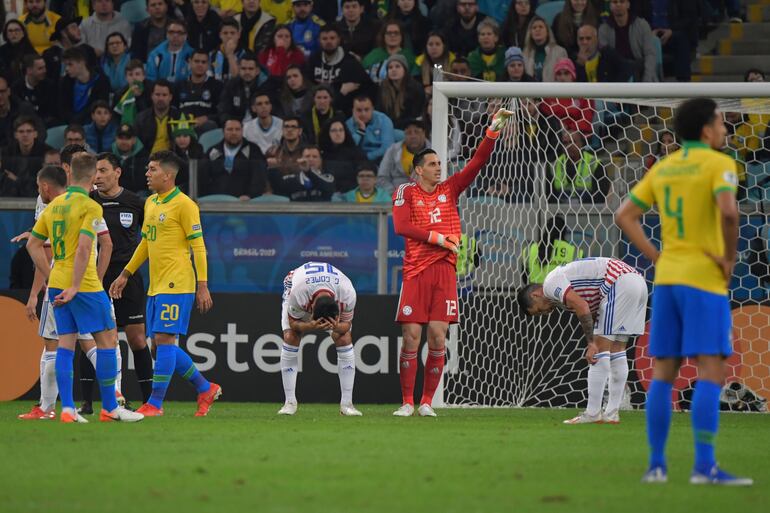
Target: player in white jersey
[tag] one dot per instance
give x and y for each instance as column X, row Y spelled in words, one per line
column 318, row 297
column 610, row 300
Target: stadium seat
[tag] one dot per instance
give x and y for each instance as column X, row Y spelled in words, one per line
column 658, row 58
column 217, row 197
column 398, row 135
column 269, row 198
column 758, row 181
column 548, row 11
column 134, row 11
column 211, row 138
column 54, row 136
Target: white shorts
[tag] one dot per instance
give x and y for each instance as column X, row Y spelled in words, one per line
column 622, row 310
column 47, row 327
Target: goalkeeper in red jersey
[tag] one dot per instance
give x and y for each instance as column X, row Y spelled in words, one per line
column 425, row 214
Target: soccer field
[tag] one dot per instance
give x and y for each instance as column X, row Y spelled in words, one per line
column 244, row 456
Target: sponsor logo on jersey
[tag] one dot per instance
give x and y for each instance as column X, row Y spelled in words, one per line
column 196, row 227
column 442, row 198
column 407, row 310
column 730, row 178
column 206, row 95
column 126, row 219
column 420, row 203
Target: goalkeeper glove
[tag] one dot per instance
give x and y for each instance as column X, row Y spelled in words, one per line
column 450, row 242
column 500, row 119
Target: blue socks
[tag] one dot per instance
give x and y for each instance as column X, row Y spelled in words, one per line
column 658, row 411
column 63, row 368
column 106, row 373
column 705, row 422
column 165, row 360
column 186, row 368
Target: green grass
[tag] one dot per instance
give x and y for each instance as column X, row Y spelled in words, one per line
column 244, row 457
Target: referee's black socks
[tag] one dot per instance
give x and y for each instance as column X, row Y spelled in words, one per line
column 143, row 367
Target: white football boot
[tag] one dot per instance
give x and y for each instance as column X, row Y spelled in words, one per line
column 406, row 410
column 425, row 410
column 348, row 410
column 611, row 417
column 120, row 414
column 584, row 418
column 289, row 408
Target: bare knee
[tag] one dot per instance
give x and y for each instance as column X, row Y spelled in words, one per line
column 411, row 334
column 666, row 369
column 291, row 337
column 437, row 335
column 711, row 368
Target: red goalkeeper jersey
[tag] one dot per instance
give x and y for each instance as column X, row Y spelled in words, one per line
column 416, row 213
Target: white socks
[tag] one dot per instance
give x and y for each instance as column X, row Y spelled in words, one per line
column 289, row 369
column 598, row 374
column 91, row 355
column 48, row 388
column 618, row 377
column 346, row 369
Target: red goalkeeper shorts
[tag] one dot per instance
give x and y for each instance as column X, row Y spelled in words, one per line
column 430, row 296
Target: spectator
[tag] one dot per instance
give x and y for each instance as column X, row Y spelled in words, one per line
column 80, row 88
column 743, row 142
column 14, row 49
column 305, row 27
column 263, row 129
column 281, row 10
column 577, row 174
column 115, row 59
column 309, row 183
column 463, row 31
column 101, row 131
column 36, row 90
column 415, row 25
column 169, row 60
column 256, row 25
column 517, row 22
column 202, row 24
column 133, row 159
column 151, row 32
column 52, row 157
column 185, row 145
column 666, row 145
column 569, row 113
column 390, row 41
column 372, row 130
column 296, row 97
column 541, row 51
column 436, row 54
column 101, row 23
column 675, row 23
column 358, row 32
column 367, row 190
column 76, row 134
column 497, row 9
column 22, row 159
column 153, row 125
column 237, row 91
column 552, row 250
column 40, row 24
column 401, row 97
column 594, row 64
column 224, row 61
column 227, row 8
column 236, row 167
column 632, row 38
column 65, row 35
column 460, row 70
column 754, row 75
column 11, row 107
column 280, row 53
column 285, row 156
column 198, row 96
column 514, row 66
column 340, row 153
column 333, row 66
column 488, row 60
column 396, row 166
column 136, row 96
column 321, row 111
column 566, row 24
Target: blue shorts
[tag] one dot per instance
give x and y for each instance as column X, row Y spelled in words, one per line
column 88, row 312
column 689, row 322
column 168, row 313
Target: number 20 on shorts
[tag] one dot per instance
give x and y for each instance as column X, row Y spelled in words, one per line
column 169, row 312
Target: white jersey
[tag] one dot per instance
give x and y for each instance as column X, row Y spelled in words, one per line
column 590, row 278
column 254, row 133
column 303, row 284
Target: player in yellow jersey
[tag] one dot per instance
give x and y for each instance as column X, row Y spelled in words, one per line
column 80, row 303
column 172, row 227
column 694, row 189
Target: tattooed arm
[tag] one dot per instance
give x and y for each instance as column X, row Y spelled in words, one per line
column 578, row 305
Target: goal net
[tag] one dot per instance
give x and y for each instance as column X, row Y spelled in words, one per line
column 558, row 172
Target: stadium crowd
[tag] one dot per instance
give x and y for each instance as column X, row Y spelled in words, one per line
column 327, row 100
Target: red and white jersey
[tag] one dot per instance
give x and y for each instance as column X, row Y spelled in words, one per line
column 303, row 284
column 590, row 278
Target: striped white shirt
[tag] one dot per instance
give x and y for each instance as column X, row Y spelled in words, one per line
column 590, row 278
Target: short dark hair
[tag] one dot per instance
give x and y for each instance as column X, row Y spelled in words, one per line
column 359, row 2
column 166, row 158
column 200, row 51
column 232, row 118
column 100, row 104
column 367, row 165
column 74, row 54
column 461, row 60
column 24, row 120
column 524, row 297
column 55, row 175
column 163, row 83
column 71, row 149
column 330, row 28
column 229, row 22
column 692, row 116
column 249, row 56
column 419, row 158
column 109, row 157
column 325, row 307
column 363, row 98
column 293, row 118
column 135, row 64
column 30, row 59
column 176, row 21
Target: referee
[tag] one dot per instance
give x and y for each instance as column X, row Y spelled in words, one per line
column 124, row 215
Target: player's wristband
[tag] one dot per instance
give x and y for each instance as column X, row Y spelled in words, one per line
column 492, row 134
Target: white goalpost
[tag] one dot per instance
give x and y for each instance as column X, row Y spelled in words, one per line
column 558, row 172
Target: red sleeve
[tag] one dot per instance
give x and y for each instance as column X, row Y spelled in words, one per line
column 458, row 182
column 402, row 218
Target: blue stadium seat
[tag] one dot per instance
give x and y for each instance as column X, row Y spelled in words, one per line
column 270, row 198
column 134, row 11
column 658, row 58
column 211, row 138
column 548, row 11
column 54, row 136
column 217, row 197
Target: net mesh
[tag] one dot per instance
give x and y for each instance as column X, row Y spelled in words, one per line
column 558, row 172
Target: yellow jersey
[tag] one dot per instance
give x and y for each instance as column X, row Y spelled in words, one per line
column 171, row 223
column 684, row 186
column 39, row 34
column 281, row 10
column 63, row 220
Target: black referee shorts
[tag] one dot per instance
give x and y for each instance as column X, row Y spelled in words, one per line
column 129, row 309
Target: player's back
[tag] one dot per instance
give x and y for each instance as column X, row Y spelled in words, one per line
column 684, row 185
column 313, row 277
